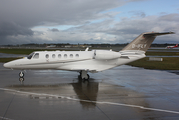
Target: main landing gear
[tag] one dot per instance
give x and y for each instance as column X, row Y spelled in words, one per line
column 83, row 75
column 21, row 77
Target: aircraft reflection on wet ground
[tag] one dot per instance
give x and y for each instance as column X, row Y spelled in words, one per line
column 82, row 90
column 121, row 93
column 89, row 94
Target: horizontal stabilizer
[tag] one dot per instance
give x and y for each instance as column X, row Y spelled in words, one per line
column 157, row 34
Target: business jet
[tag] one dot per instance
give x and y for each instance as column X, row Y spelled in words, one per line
column 170, row 47
column 85, row 61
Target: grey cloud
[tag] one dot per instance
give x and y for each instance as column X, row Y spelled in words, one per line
column 148, row 23
column 13, row 29
column 31, row 12
column 22, row 15
column 19, row 17
column 124, row 31
column 127, row 29
column 8, row 29
column 170, row 17
column 53, row 30
column 142, row 14
column 101, row 27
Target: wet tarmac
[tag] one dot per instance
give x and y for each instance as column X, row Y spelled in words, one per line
column 121, row 93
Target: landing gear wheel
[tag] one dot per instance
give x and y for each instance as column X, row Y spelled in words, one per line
column 79, row 77
column 21, row 74
column 88, row 77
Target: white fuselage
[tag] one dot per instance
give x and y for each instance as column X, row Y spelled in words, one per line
column 92, row 61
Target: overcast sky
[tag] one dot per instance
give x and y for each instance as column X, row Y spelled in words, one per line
column 86, row 21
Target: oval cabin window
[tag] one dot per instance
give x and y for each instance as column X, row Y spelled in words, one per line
column 77, row 55
column 53, row 56
column 65, row 55
column 59, row 56
column 47, row 56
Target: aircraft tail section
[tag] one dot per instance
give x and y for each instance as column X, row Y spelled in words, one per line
column 143, row 41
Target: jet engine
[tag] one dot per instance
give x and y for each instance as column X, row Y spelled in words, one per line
column 106, row 55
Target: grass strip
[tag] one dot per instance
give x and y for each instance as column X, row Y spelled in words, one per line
column 3, row 60
column 168, row 63
column 19, row 51
column 162, row 53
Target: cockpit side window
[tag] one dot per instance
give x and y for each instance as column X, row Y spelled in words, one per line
column 30, row 56
column 36, row 56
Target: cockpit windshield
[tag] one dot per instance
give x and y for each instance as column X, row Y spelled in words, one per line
column 30, row 56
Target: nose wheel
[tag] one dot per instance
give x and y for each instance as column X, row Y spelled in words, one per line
column 21, row 77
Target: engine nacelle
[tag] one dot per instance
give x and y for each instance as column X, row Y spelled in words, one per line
column 106, row 55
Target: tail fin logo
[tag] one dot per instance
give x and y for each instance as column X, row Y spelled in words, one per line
column 139, row 46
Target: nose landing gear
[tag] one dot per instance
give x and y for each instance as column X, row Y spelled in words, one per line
column 21, row 77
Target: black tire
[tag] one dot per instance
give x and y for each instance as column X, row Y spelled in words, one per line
column 88, row 77
column 79, row 77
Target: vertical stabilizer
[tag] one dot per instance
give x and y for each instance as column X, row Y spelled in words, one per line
column 143, row 41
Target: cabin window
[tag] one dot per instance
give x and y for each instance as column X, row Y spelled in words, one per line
column 71, row 55
column 36, row 56
column 47, row 56
column 30, row 56
column 53, row 56
column 77, row 55
column 65, row 55
column 59, row 56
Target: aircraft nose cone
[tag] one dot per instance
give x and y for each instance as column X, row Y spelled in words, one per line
column 6, row 65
